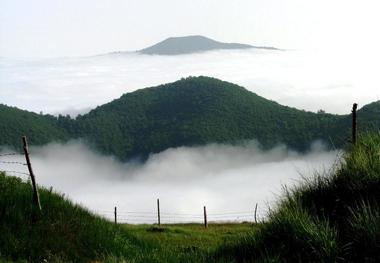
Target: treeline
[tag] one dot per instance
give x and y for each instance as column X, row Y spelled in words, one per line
column 191, row 111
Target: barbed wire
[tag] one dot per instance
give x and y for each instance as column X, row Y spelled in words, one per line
column 11, row 162
column 9, row 154
column 143, row 217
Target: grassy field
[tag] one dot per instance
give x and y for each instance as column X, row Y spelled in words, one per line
column 185, row 238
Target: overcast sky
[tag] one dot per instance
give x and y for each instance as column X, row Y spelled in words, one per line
column 50, row 28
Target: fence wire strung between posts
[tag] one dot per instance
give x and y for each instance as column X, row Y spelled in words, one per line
column 5, row 161
column 11, row 166
column 145, row 217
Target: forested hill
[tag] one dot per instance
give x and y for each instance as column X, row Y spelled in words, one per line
column 41, row 129
column 191, row 111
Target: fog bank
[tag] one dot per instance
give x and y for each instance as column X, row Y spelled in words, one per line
column 229, row 180
column 305, row 80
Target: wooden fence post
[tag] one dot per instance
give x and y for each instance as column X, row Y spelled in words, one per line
column 158, row 212
column 205, row 216
column 354, row 124
column 36, row 197
column 256, row 213
column 115, row 213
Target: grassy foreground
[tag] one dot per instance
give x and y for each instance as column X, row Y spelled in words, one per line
column 65, row 232
column 332, row 218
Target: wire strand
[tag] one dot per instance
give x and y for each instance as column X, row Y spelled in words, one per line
column 6, row 162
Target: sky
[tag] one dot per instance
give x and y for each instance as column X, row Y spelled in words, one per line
column 51, row 28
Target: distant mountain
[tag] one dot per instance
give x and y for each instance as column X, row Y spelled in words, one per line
column 188, row 112
column 192, row 44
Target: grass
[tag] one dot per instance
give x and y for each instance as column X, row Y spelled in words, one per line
column 185, row 238
column 330, row 218
column 65, row 232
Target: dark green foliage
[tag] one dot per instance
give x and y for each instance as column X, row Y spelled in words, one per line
column 329, row 219
column 200, row 110
column 191, row 111
column 40, row 129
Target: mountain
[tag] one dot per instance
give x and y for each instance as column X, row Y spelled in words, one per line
column 191, row 44
column 191, row 111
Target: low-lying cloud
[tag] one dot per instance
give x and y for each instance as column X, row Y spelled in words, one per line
column 306, row 80
column 229, row 180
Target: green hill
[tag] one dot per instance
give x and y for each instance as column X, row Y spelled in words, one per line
column 191, row 111
column 15, row 123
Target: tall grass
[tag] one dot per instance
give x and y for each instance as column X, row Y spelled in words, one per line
column 62, row 232
column 331, row 218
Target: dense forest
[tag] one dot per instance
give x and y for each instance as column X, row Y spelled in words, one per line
column 188, row 112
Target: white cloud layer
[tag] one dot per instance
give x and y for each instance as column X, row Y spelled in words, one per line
column 306, row 80
column 229, row 180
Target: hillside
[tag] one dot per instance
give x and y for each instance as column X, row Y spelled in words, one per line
column 188, row 112
column 41, row 129
column 196, row 111
column 333, row 218
column 191, row 44
column 64, row 232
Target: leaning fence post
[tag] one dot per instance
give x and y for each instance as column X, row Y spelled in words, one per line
column 354, row 124
column 158, row 212
column 205, row 216
column 115, row 213
column 36, row 197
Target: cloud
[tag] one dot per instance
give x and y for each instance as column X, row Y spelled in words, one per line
column 229, row 180
column 306, row 80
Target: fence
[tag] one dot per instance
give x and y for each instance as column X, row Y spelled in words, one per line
column 160, row 216
column 5, row 161
column 30, row 174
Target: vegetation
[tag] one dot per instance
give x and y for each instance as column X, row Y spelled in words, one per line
column 65, row 232
column 191, row 111
column 15, row 123
column 332, row 218
column 329, row 219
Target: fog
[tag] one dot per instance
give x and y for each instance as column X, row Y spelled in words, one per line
column 229, row 180
column 306, row 80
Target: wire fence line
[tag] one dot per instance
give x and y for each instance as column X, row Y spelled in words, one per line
column 144, row 217
column 12, row 163
column 139, row 217
column 10, row 154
